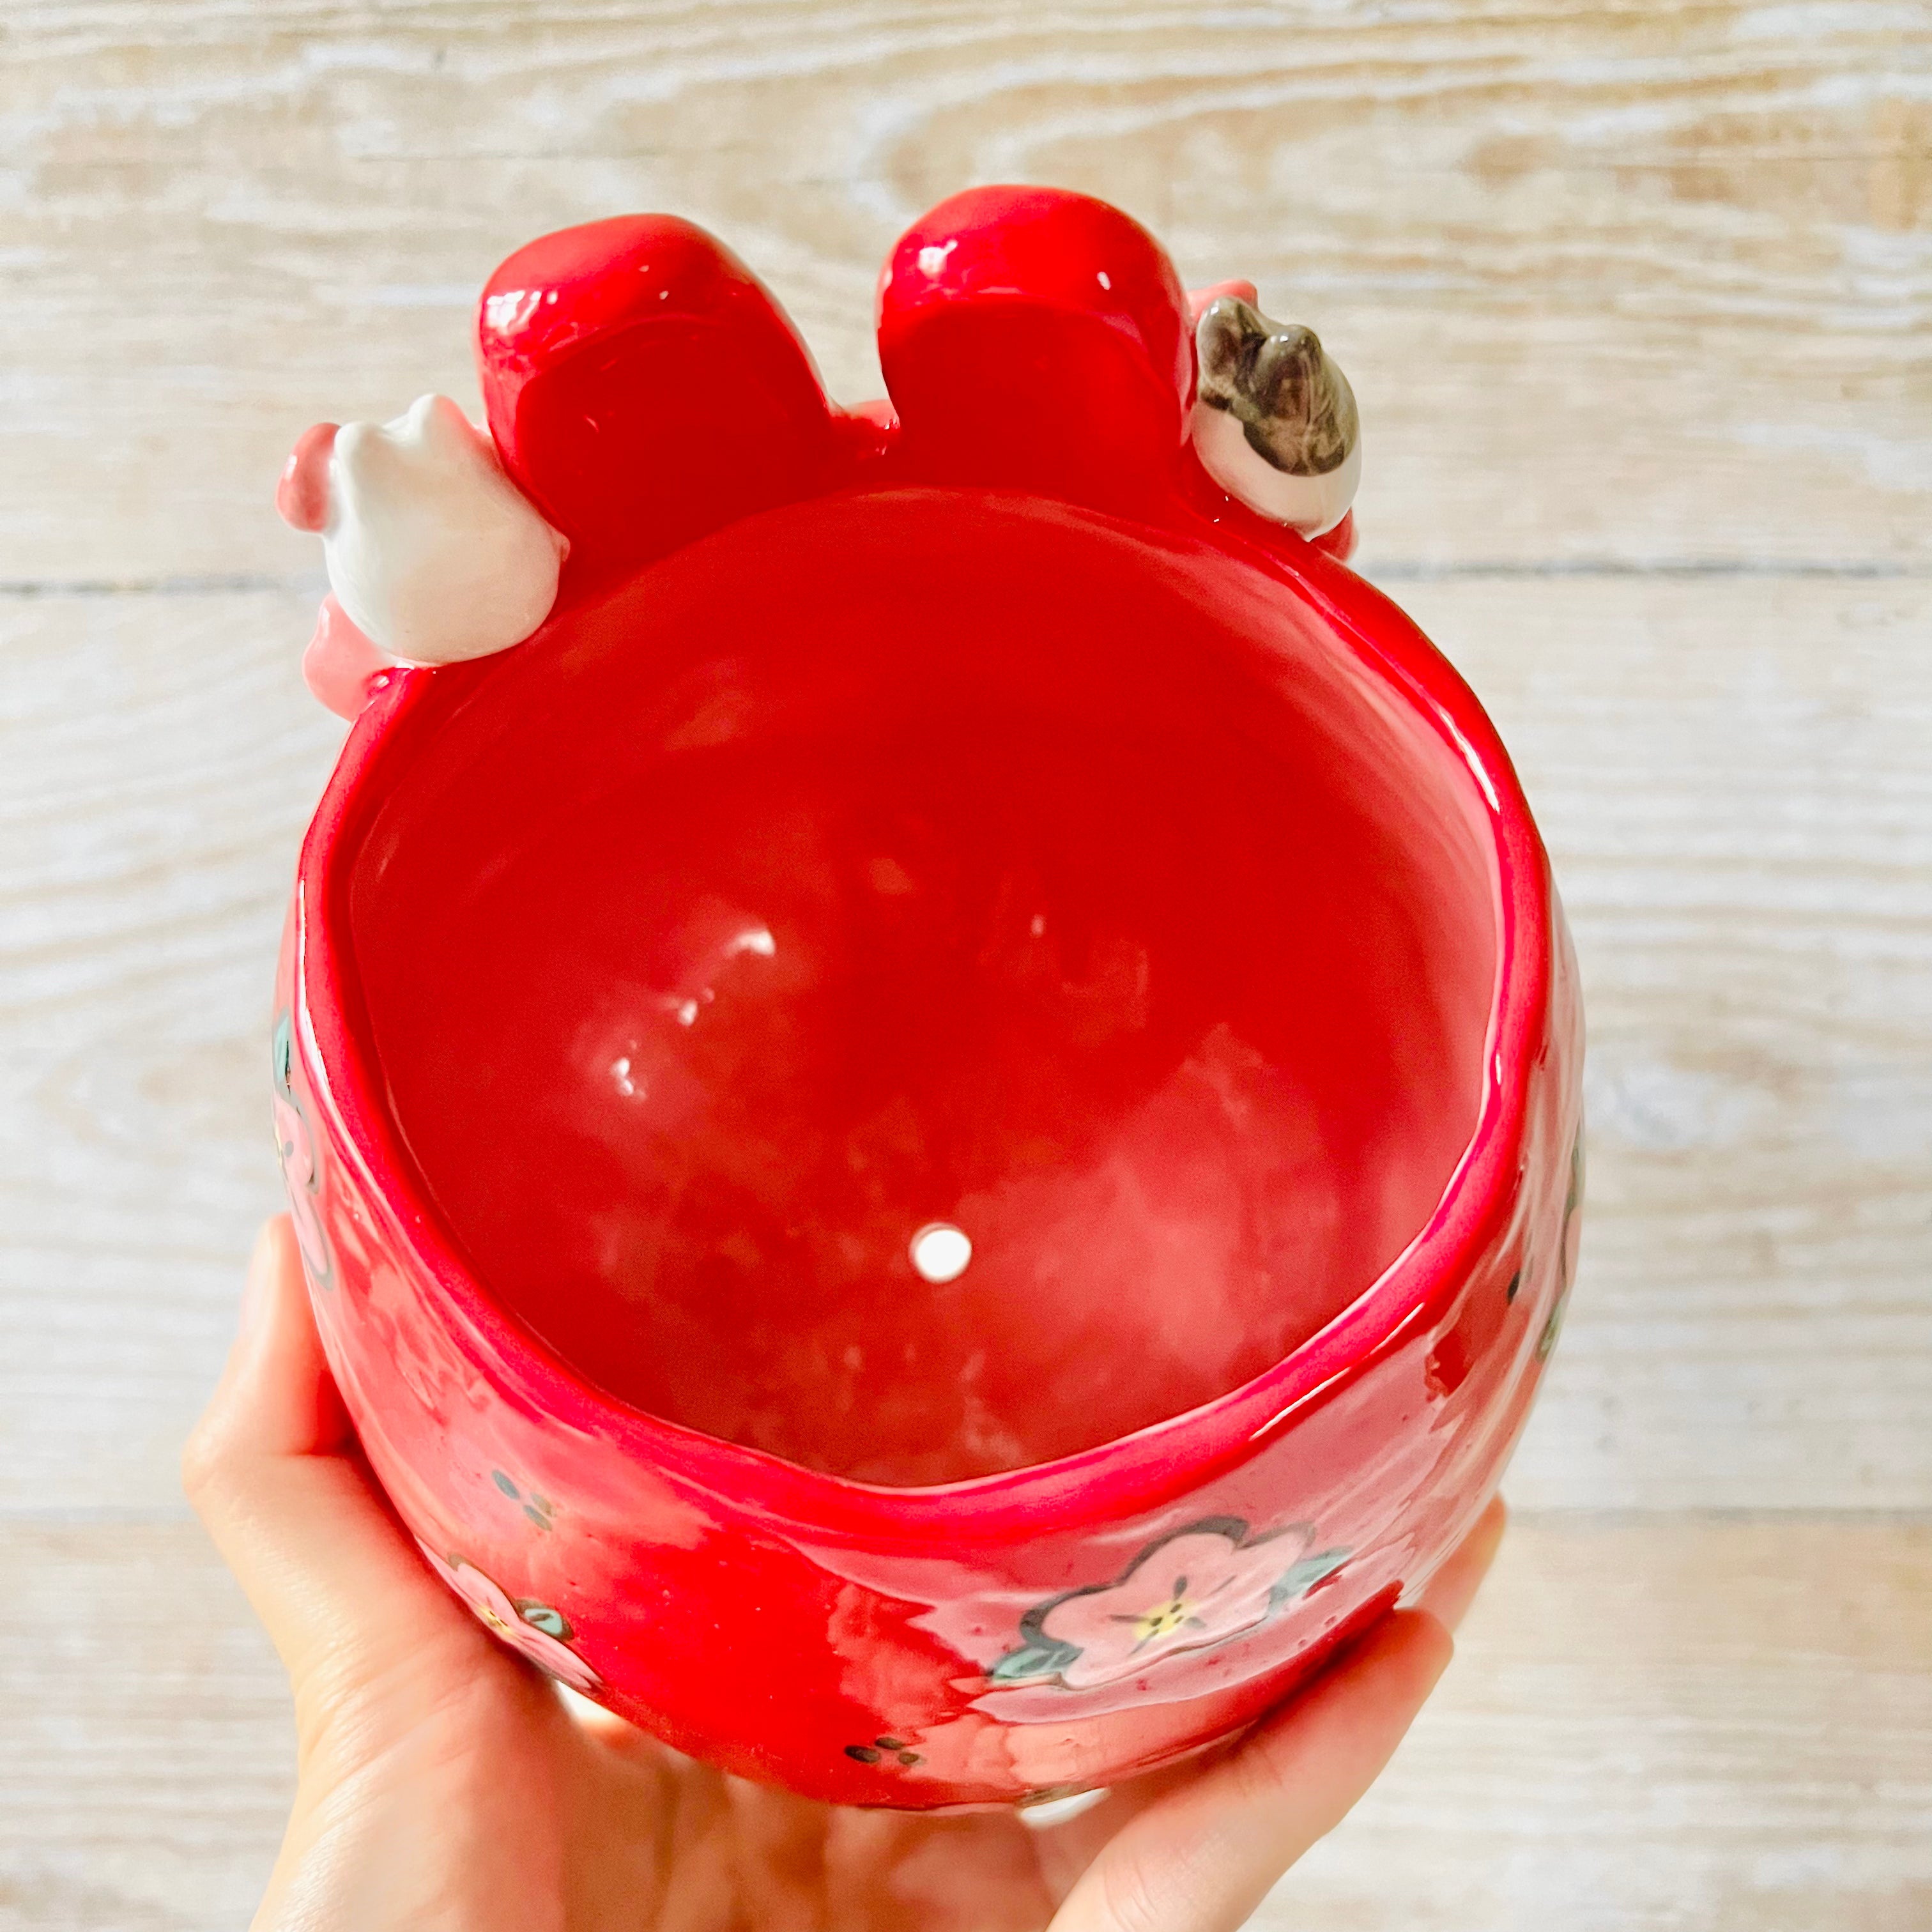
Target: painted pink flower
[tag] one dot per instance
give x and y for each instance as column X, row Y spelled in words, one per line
column 301, row 1175
column 1199, row 1587
column 535, row 1629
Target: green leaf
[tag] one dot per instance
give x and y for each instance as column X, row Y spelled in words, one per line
column 1045, row 1659
column 541, row 1616
column 1306, row 1574
column 1552, row 1327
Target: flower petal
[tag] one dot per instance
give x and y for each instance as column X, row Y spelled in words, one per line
column 1197, row 1588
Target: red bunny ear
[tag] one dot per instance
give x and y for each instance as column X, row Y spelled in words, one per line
column 1033, row 337
column 644, row 388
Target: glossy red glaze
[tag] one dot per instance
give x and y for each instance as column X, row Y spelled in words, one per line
column 1142, row 895
column 643, row 388
column 1037, row 339
column 1339, row 543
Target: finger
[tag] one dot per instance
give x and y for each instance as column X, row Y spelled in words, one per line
column 309, row 1417
column 1067, row 1848
column 1203, row 1857
column 1448, row 1594
column 622, row 1739
column 272, row 1468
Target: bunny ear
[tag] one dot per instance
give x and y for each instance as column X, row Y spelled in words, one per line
column 1037, row 338
column 644, row 388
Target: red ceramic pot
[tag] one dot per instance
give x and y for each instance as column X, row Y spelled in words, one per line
column 972, row 817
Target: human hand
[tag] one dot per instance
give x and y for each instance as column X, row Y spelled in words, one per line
column 444, row 1785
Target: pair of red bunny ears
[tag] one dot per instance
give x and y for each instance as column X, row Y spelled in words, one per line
column 643, row 388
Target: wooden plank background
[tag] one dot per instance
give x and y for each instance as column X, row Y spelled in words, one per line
column 1635, row 296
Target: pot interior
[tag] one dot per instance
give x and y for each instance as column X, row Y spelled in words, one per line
column 927, row 859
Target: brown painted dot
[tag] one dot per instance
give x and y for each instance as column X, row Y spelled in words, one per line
column 864, row 1754
column 891, row 1744
column 911, row 1758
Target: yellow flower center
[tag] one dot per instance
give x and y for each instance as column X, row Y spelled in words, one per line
column 1163, row 1618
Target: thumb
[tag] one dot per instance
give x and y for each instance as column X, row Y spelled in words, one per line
column 273, row 1469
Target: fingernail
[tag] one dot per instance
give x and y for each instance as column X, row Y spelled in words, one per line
column 1048, row 1812
column 255, row 1288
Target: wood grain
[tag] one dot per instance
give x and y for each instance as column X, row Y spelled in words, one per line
column 1734, row 782
column 1650, row 1725
column 158, row 759
column 1635, row 298
column 1631, row 282
column 146, row 1749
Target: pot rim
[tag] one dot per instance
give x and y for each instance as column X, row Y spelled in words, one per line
column 1130, row 1474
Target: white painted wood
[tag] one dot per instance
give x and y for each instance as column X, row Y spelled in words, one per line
column 1735, row 782
column 158, row 758
column 1634, row 299
column 1636, row 282
column 1653, row 1725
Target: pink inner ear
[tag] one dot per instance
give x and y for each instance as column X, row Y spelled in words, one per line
column 644, row 388
column 301, row 497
